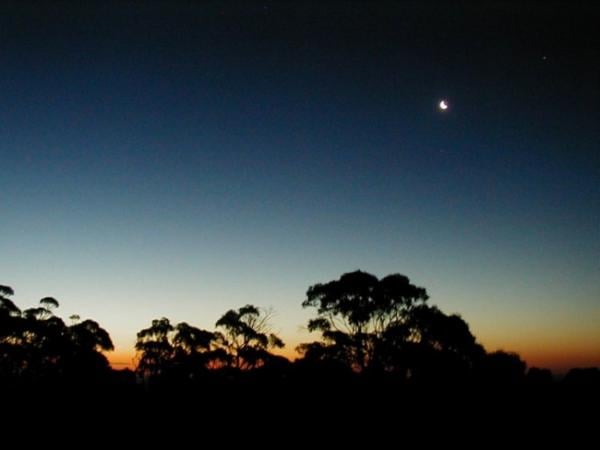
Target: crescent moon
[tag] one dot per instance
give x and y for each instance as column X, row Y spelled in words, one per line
column 443, row 105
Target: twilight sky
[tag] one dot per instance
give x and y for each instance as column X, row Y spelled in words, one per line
column 176, row 160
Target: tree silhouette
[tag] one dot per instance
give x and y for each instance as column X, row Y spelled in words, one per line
column 180, row 351
column 502, row 367
column 6, row 305
column 587, row 377
column 386, row 326
column 247, row 337
column 12, row 356
column 372, row 330
column 50, row 303
column 197, row 350
column 88, row 340
column 36, row 345
column 539, row 377
column 89, row 336
column 354, row 313
column 192, row 340
column 155, row 347
column 429, row 344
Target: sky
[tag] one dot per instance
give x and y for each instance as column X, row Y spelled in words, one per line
column 180, row 159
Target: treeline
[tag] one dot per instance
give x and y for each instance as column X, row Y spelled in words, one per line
column 36, row 346
column 370, row 331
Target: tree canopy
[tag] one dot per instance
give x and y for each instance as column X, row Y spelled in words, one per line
column 37, row 345
column 369, row 328
column 248, row 337
column 373, row 324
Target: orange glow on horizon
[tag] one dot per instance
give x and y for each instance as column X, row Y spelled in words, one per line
column 121, row 360
column 127, row 360
column 559, row 358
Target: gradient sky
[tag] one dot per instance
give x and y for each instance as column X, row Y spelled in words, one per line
column 176, row 160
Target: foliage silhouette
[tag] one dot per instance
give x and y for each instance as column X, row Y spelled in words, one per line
column 37, row 347
column 177, row 352
column 197, row 350
column 539, row 377
column 502, row 367
column 373, row 325
column 586, row 377
column 373, row 332
column 154, row 344
column 187, row 353
column 354, row 312
column 247, row 337
column 6, row 305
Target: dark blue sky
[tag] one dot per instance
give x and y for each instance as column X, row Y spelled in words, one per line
column 181, row 160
